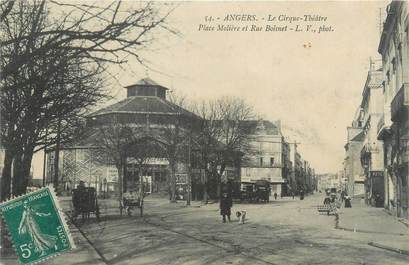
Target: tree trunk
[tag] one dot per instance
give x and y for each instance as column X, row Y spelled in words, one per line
column 141, row 190
column 18, row 177
column 205, row 195
column 173, row 185
column 172, row 182
column 124, row 178
column 120, row 169
column 120, row 181
column 219, row 182
column 26, row 168
column 5, row 180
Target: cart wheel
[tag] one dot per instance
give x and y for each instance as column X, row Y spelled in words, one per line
column 74, row 216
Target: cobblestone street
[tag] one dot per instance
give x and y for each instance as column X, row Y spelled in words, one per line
column 282, row 232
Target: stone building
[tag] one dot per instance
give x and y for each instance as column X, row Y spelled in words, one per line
column 393, row 129
column 268, row 158
column 296, row 175
column 354, row 173
column 327, row 181
column 371, row 154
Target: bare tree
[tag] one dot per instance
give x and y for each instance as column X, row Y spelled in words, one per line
column 224, row 134
column 118, row 144
column 175, row 134
column 52, row 66
column 142, row 149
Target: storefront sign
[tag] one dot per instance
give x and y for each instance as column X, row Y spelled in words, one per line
column 376, row 174
column 181, row 178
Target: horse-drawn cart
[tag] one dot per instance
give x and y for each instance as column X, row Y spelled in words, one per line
column 132, row 200
column 85, row 202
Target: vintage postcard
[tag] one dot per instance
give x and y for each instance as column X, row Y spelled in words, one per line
column 204, row 132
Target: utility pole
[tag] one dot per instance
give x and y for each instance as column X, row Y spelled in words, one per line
column 189, row 173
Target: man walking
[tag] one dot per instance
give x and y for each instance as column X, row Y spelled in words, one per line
column 226, row 203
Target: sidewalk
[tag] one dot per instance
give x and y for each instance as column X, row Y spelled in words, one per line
column 386, row 230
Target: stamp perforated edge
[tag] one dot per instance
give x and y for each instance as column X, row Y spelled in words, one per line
column 61, row 215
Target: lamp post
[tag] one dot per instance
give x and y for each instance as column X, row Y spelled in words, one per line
column 189, row 173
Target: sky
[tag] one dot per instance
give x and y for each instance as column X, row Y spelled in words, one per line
column 311, row 82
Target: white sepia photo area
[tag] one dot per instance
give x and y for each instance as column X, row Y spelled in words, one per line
column 207, row 132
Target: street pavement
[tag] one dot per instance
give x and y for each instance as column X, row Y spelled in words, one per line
column 387, row 231
column 284, row 231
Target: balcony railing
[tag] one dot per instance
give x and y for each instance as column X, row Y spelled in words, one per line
column 400, row 101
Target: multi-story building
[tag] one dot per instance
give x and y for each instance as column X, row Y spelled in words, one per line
column 371, row 154
column 268, row 158
column 353, row 171
column 327, row 181
column 393, row 129
column 297, row 174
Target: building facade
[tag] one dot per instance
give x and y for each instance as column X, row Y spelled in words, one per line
column 353, row 171
column 371, row 154
column 327, row 181
column 393, row 129
column 268, row 158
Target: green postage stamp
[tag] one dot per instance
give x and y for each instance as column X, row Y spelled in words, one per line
column 37, row 226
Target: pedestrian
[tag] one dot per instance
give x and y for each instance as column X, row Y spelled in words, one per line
column 327, row 200
column 275, row 195
column 226, row 203
column 347, row 201
column 293, row 194
column 343, row 193
column 301, row 194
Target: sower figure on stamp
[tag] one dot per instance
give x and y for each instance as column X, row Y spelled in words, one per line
column 28, row 225
column 226, row 203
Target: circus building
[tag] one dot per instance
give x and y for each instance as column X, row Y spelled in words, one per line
column 146, row 107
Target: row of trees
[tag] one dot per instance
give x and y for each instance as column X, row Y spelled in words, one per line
column 214, row 134
column 54, row 61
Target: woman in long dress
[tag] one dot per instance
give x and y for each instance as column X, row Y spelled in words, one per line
column 28, row 225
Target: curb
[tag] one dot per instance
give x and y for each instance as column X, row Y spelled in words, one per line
column 367, row 231
column 404, row 222
column 401, row 220
column 384, row 247
column 99, row 254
